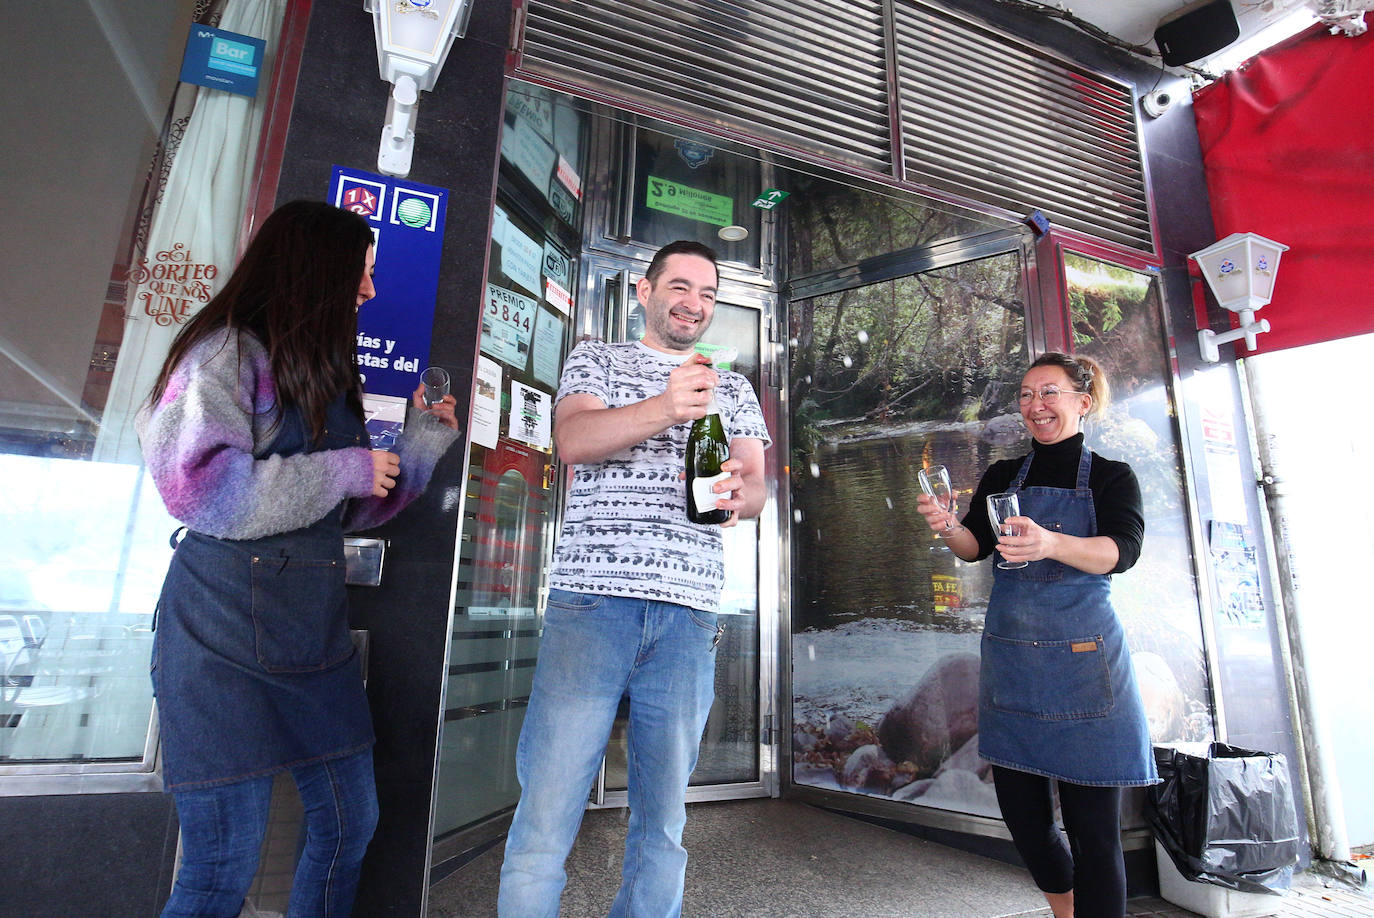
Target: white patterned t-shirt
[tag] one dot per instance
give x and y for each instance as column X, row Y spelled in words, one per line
column 625, row 528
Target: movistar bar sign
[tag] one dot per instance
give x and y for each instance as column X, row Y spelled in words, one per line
column 223, row 60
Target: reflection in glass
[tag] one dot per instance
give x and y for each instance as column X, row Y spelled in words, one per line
column 886, row 378
column 510, row 494
column 688, row 189
column 835, row 225
column 85, row 552
column 1116, row 317
column 137, row 245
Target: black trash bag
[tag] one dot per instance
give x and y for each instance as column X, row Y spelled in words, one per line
column 1228, row 818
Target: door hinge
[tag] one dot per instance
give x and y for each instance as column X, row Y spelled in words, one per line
column 768, row 733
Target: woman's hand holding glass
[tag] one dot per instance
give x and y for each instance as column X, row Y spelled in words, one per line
column 1021, row 539
column 442, row 409
column 940, row 518
column 938, row 503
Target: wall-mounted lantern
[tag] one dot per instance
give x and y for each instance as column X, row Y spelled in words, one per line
column 1240, row 271
column 413, row 39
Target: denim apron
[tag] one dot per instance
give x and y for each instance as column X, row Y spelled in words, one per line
column 1057, row 692
column 253, row 666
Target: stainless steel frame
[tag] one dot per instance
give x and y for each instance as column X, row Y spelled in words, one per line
column 54, row 778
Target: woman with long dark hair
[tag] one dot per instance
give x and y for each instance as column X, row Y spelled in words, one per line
column 1057, row 697
column 254, row 437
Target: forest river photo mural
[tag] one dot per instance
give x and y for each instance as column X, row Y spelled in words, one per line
column 921, row 370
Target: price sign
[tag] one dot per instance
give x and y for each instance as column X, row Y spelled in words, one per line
column 507, row 324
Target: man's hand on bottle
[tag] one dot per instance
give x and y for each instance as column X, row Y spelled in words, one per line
column 689, row 388
column 725, row 489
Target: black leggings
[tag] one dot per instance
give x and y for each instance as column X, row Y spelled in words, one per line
column 1091, row 864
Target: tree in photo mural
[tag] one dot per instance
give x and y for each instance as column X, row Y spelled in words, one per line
column 944, row 345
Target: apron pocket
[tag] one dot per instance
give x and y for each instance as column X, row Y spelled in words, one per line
column 1049, row 680
column 300, row 618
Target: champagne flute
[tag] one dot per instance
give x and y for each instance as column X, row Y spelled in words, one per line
column 1000, row 507
column 935, row 482
column 436, row 383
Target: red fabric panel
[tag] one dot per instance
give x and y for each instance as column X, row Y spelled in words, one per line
column 1288, row 145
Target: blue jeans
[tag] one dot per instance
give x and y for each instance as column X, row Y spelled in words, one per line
column 222, row 829
column 596, row 650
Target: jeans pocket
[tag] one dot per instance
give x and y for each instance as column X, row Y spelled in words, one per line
column 570, row 602
column 710, row 623
column 1048, row 680
column 300, row 614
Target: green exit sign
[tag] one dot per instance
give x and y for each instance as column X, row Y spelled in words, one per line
column 770, row 199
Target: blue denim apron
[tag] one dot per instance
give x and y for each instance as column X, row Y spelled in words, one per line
column 1057, row 693
column 253, row 666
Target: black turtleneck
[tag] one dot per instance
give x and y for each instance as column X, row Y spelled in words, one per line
column 1116, row 495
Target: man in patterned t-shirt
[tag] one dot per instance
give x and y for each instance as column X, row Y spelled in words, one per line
column 633, row 595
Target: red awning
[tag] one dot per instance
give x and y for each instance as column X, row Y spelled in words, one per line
column 1288, row 145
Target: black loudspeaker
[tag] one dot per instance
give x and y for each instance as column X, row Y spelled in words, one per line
column 1196, row 31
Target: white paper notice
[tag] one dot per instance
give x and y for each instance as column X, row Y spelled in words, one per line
column 486, row 403
column 556, row 265
column 556, row 295
column 530, row 415
column 547, row 347
column 507, row 324
column 522, row 146
column 521, row 259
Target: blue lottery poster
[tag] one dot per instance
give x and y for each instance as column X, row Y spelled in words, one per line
column 394, row 328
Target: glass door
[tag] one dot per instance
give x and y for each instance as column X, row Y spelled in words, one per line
column 886, row 378
column 736, row 756
column 511, row 492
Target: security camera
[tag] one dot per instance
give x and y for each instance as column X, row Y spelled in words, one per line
column 1157, row 103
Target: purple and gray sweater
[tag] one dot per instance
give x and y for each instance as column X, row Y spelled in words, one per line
column 204, row 444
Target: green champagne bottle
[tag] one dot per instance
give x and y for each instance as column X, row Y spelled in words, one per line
column 706, row 450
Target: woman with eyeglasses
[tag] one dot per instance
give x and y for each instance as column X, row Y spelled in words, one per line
column 1058, row 702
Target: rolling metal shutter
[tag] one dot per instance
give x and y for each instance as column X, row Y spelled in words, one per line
column 996, row 121
column 807, row 74
column 983, row 116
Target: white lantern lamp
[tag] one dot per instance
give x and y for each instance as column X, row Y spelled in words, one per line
column 1240, row 272
column 413, row 39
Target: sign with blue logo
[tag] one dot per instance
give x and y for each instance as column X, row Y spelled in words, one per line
column 394, row 328
column 223, row 60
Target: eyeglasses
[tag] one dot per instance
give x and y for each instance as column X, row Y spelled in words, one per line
column 1048, row 395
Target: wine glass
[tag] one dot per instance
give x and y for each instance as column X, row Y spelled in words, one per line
column 1000, row 507
column 935, row 482
column 436, row 382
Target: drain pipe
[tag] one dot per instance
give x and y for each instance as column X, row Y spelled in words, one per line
column 1326, row 817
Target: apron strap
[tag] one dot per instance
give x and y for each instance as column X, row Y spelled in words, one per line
column 1085, row 464
column 1021, row 474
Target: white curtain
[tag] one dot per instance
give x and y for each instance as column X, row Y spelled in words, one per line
column 195, row 225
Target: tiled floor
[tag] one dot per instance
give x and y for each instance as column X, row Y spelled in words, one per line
column 783, row 859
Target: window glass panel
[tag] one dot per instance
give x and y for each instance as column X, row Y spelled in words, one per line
column 729, row 751
column 687, row 189
column 510, row 503
column 885, row 379
column 835, row 225
column 1116, row 320
column 103, row 274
